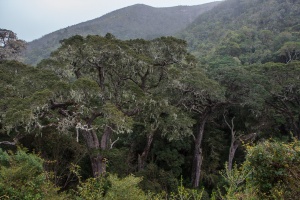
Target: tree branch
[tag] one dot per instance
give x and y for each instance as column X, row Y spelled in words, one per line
column 112, row 143
column 8, row 143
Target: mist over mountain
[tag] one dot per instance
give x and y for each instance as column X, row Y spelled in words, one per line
column 137, row 21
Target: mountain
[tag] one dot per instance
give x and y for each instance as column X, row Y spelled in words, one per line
column 250, row 31
column 137, row 21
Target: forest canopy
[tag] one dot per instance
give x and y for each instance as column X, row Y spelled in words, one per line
column 215, row 116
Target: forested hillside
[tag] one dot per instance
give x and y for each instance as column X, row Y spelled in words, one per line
column 214, row 116
column 137, row 21
column 250, row 31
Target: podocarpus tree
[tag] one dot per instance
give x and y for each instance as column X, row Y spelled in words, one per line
column 113, row 81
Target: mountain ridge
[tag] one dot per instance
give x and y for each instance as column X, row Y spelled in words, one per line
column 136, row 21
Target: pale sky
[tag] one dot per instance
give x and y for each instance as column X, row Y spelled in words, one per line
column 31, row 19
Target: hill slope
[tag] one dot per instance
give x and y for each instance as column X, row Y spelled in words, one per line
column 248, row 30
column 137, row 21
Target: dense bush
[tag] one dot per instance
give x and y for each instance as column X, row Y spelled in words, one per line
column 275, row 169
column 22, row 177
column 271, row 171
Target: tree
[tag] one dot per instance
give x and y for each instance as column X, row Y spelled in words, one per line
column 87, row 64
column 201, row 96
column 125, row 80
column 24, row 97
column 290, row 50
column 10, row 45
column 282, row 93
column 244, row 114
column 236, row 141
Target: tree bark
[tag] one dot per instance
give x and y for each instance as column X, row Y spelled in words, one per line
column 93, row 146
column 98, row 161
column 101, row 76
column 105, row 139
column 198, row 157
column 234, row 143
column 233, row 147
column 143, row 157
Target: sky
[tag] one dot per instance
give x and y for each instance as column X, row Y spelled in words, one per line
column 32, row 19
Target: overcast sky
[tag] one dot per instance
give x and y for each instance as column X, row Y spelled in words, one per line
column 31, row 19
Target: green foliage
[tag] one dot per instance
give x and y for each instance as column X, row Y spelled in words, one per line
column 281, row 83
column 290, row 50
column 157, row 180
column 235, row 179
column 25, row 96
column 155, row 92
column 120, row 160
column 238, row 29
column 181, row 193
column 275, row 173
column 169, row 154
column 59, row 157
column 184, row 193
column 270, row 172
column 112, row 188
column 22, row 177
column 92, row 189
column 241, row 85
column 114, row 116
column 126, row 188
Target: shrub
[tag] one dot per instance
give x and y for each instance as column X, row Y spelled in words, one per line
column 275, row 169
column 270, row 171
column 22, row 177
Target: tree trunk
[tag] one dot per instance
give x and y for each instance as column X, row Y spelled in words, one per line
column 105, row 139
column 143, row 157
column 233, row 147
column 98, row 162
column 93, row 147
column 197, row 163
column 105, row 142
column 234, row 143
column 198, row 157
column 101, row 76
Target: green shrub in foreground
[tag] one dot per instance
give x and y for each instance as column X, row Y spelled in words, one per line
column 271, row 171
column 22, row 177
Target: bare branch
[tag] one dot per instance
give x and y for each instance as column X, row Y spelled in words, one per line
column 112, row 143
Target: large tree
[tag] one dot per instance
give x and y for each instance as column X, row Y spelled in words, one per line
column 114, row 82
column 202, row 97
